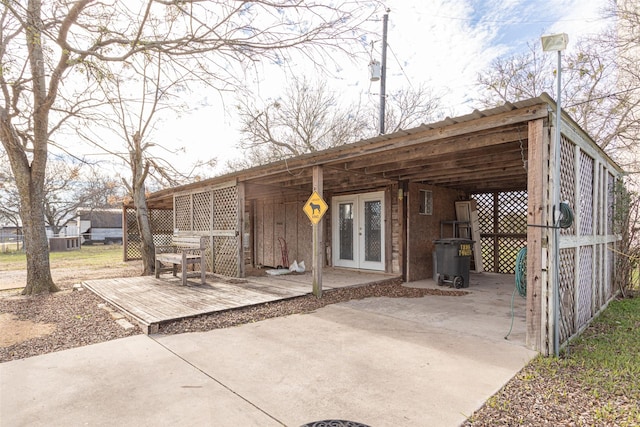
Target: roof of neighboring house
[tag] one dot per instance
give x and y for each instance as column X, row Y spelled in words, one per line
column 479, row 152
column 102, row 218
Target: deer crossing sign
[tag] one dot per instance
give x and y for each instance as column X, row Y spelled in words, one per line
column 315, row 208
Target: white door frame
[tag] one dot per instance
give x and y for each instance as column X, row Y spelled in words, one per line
column 357, row 202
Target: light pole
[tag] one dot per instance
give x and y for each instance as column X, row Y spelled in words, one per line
column 556, row 42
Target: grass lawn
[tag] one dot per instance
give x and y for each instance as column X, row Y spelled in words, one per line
column 88, row 257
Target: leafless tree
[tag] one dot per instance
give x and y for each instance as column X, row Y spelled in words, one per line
column 68, row 186
column 309, row 118
column 409, row 107
column 137, row 95
column 52, row 55
column 305, row 119
column 600, row 85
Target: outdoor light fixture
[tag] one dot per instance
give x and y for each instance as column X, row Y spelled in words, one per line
column 556, row 42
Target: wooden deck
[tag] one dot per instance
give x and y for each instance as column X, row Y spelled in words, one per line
column 150, row 301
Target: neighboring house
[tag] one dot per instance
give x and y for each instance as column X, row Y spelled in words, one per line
column 390, row 195
column 98, row 226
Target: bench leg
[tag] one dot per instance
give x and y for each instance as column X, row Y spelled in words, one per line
column 184, row 275
column 203, row 271
column 157, row 269
column 175, row 270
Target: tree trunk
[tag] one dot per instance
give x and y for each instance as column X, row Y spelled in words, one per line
column 147, row 247
column 30, row 186
column 139, row 171
column 36, row 245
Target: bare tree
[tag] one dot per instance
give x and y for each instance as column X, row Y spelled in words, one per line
column 407, row 108
column 305, row 119
column 137, row 94
column 68, row 186
column 9, row 202
column 309, row 118
column 595, row 90
column 45, row 45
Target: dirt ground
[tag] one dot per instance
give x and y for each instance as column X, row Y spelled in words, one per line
column 16, row 330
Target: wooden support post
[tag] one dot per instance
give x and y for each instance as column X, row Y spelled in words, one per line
column 318, row 237
column 537, row 237
column 240, row 228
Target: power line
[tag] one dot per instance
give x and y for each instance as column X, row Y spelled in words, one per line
column 603, row 97
column 400, row 65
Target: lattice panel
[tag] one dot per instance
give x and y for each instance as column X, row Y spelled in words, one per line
column 182, row 208
column 512, row 212
column 508, row 251
column 484, row 202
column 586, row 194
column 567, row 293
column 132, row 251
column 208, row 255
column 503, row 228
column 202, row 211
column 598, row 276
column 609, row 282
column 161, row 227
column 599, row 216
column 225, row 208
column 225, row 256
column 487, row 254
column 567, row 178
column 584, row 306
column 610, row 202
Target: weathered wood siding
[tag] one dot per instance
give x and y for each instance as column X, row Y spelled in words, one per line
column 281, row 217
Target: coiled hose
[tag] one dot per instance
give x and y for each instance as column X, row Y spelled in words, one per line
column 566, row 215
column 521, row 282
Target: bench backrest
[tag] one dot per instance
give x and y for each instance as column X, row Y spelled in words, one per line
column 189, row 242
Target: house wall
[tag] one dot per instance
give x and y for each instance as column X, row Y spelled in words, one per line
column 280, row 217
column 422, row 230
column 392, row 227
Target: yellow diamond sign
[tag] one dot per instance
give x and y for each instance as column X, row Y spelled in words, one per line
column 315, row 208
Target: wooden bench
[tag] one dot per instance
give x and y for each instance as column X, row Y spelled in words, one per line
column 183, row 251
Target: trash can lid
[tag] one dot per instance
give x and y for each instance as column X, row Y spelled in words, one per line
column 453, row 241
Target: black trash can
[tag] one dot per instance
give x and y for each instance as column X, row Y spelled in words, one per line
column 453, row 258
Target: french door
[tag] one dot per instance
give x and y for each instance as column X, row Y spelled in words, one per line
column 358, row 231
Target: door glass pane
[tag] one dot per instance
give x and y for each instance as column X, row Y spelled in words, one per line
column 373, row 231
column 345, row 226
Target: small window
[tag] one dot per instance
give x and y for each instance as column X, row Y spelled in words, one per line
column 426, row 202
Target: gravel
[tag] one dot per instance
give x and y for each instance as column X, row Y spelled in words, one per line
column 77, row 316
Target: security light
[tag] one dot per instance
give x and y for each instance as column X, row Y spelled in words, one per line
column 555, row 42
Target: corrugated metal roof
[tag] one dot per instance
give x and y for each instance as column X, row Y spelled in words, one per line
column 399, row 152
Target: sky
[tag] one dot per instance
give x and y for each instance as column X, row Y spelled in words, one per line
column 442, row 44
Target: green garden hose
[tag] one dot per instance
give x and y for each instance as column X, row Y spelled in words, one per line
column 521, row 281
column 566, row 215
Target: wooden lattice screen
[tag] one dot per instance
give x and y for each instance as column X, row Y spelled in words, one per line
column 586, row 263
column 161, row 226
column 503, row 228
column 212, row 213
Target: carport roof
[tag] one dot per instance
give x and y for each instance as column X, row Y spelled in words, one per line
column 478, row 152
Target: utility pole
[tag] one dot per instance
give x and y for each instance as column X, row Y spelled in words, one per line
column 383, row 71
